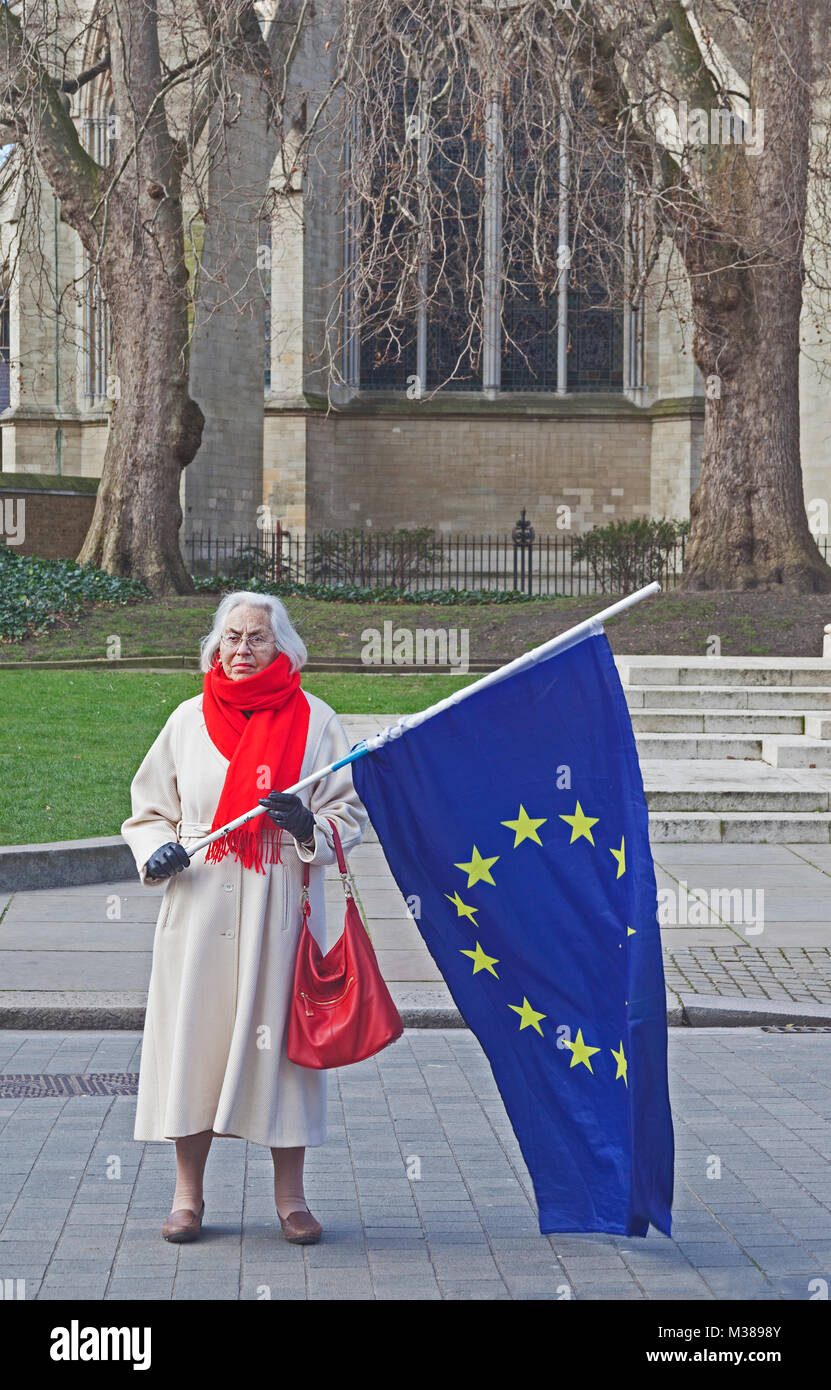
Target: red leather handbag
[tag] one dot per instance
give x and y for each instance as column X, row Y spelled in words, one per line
column 341, row 1009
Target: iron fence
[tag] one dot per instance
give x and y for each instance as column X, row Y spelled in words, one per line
column 549, row 565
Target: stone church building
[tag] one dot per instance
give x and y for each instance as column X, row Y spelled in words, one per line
column 605, row 417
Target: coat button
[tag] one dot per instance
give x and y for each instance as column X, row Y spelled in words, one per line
column 229, row 933
column 229, row 887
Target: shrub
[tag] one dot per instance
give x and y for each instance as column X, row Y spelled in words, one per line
column 394, row 558
column 626, row 555
column 36, row 593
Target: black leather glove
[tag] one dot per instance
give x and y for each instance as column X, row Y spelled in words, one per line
column 168, row 860
column 288, row 811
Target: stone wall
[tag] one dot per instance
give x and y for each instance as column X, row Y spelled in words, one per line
column 30, row 444
column 675, row 459
column 284, row 467
column 469, row 471
column 50, row 522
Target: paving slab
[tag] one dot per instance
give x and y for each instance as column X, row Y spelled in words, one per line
column 752, row 1233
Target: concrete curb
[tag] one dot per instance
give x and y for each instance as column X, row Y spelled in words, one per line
column 75, row 1011
column 720, row 1011
column 65, row 864
column 74, row 863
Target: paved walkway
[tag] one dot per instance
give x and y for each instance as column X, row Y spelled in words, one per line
column 739, row 922
column 420, row 1186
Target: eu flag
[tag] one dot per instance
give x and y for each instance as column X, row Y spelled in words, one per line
column 518, row 819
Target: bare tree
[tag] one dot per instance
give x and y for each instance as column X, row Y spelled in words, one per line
column 171, row 65
column 706, row 121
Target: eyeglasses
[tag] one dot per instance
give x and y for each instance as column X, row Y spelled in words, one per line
column 255, row 640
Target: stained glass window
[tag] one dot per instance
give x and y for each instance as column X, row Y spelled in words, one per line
column 449, row 334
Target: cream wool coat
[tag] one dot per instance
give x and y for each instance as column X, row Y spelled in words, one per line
column 214, row 1048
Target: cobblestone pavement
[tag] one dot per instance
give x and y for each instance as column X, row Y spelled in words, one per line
column 420, row 1186
column 800, row 974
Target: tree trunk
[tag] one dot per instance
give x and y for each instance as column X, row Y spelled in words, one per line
column 745, row 259
column 155, row 427
column 135, row 526
column 749, row 526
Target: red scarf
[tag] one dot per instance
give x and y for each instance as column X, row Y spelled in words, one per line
column 274, row 738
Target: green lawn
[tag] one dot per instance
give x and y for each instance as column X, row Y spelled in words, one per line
column 175, row 626
column 71, row 741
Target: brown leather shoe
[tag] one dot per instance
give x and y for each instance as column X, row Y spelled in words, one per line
column 183, row 1225
column 300, row 1228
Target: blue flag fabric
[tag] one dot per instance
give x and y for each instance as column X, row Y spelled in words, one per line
column 518, row 820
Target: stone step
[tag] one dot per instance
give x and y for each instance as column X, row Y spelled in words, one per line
column 724, row 721
column 796, row 752
column 719, row 785
column 727, row 798
column 816, row 726
column 708, row 827
column 737, row 697
column 710, row 746
column 724, row 670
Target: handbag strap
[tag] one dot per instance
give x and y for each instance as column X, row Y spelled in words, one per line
column 341, row 866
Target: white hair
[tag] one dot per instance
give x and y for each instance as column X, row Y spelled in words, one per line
column 285, row 634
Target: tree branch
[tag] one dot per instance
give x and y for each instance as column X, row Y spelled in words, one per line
column 234, row 32
column 595, row 55
column 39, row 114
column 74, row 84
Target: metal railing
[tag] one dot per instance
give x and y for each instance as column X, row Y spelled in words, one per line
column 419, row 562
column 546, row 565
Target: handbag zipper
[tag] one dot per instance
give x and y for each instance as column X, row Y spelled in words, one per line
column 324, row 1003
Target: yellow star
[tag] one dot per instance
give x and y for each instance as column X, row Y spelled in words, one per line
column 621, row 1065
column 524, row 826
column 482, row 961
column 580, row 1052
column 581, row 824
column 630, row 931
column 620, row 856
column 462, row 909
column 478, row 868
column 530, row 1018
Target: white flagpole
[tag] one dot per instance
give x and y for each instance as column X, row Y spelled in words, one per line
column 411, row 721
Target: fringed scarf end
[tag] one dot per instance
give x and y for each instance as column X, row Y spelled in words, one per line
column 253, row 848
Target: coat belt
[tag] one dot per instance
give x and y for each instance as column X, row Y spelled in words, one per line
column 196, row 830
column 189, row 829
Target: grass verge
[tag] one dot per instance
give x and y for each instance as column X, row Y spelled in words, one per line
column 745, row 624
column 73, row 740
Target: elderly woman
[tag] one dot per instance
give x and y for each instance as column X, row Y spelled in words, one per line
column 214, row 1052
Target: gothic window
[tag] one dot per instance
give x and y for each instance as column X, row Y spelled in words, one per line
column 595, row 327
column 569, row 337
column 453, row 349
column 437, row 338
column 387, row 359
